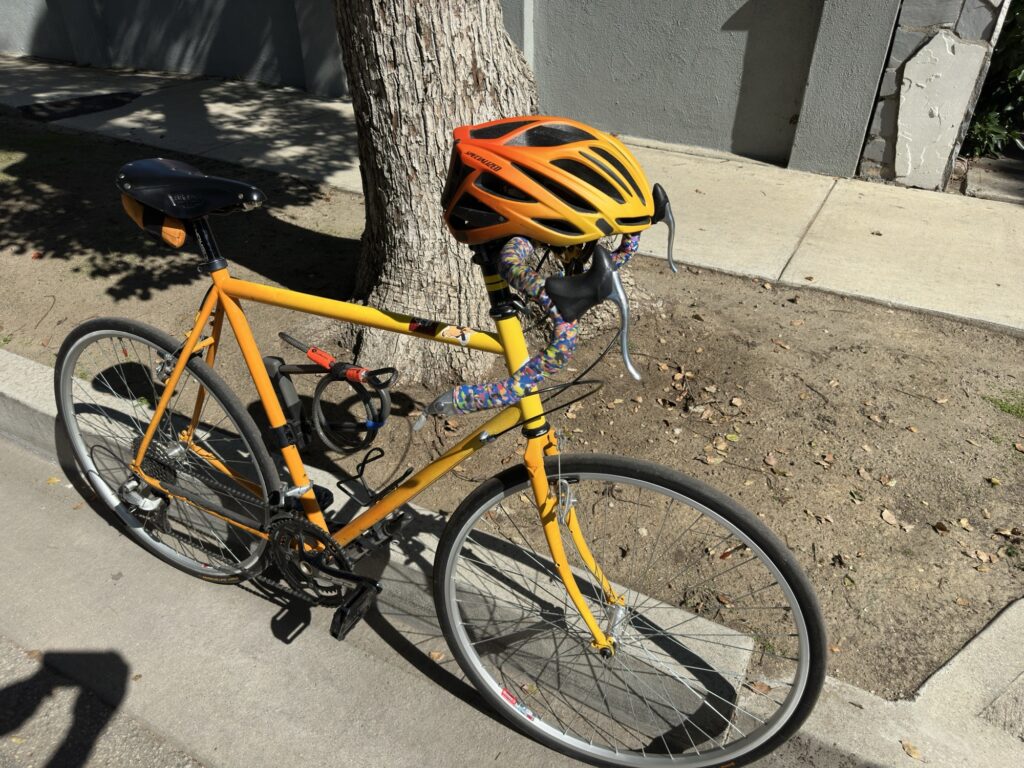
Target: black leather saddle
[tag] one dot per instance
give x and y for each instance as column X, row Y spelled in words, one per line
column 179, row 190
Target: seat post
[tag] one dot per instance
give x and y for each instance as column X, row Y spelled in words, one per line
column 208, row 245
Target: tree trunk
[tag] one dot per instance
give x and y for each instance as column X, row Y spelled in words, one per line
column 417, row 69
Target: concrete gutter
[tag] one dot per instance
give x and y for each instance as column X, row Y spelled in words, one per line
column 964, row 715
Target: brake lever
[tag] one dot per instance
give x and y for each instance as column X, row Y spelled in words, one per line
column 663, row 212
column 618, row 296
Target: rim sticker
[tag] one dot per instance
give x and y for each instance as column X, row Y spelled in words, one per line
column 521, row 708
column 460, row 333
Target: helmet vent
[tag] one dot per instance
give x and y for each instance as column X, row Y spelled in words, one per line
column 567, row 196
column 498, row 130
column 470, row 213
column 457, row 173
column 498, row 186
column 621, row 169
column 589, row 176
column 633, row 221
column 550, row 135
column 561, row 226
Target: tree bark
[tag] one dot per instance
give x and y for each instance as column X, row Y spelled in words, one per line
column 417, row 69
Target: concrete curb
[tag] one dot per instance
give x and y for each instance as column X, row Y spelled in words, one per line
column 961, row 716
column 28, row 411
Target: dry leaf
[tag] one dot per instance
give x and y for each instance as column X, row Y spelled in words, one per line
column 1019, row 447
column 965, row 524
column 912, row 429
column 714, row 459
column 721, row 444
column 887, row 481
column 724, row 600
column 796, row 323
column 436, row 655
column 863, row 474
column 529, row 688
column 732, row 437
column 52, row 480
column 994, row 481
column 962, row 601
column 941, row 400
column 759, row 687
column 911, row 750
column 770, row 459
column 780, row 343
column 834, row 648
column 941, row 527
column 889, row 517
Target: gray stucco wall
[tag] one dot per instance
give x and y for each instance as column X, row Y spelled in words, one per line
column 256, row 40
column 727, row 75
column 853, row 42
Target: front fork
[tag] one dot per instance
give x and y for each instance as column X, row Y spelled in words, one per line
column 550, row 515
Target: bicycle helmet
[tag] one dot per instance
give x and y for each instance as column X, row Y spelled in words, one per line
column 551, row 179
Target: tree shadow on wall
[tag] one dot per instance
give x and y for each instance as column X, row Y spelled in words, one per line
column 781, row 35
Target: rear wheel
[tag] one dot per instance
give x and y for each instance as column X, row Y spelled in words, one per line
column 719, row 643
column 109, row 377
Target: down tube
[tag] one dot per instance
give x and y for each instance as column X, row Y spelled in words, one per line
column 419, row 482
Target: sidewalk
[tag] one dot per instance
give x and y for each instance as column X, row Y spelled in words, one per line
column 951, row 255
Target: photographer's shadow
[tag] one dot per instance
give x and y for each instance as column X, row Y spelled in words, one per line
column 101, row 676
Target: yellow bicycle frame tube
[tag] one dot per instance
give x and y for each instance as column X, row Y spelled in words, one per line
column 509, row 341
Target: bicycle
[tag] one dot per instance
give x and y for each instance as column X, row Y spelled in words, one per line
column 610, row 608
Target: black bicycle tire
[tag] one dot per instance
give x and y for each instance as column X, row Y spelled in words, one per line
column 513, row 479
column 215, row 385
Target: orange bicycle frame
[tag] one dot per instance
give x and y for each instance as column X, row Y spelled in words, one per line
column 223, row 300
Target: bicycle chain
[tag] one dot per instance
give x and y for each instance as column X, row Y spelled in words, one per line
column 284, row 555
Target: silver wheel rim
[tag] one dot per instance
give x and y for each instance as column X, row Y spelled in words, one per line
column 524, row 716
column 111, row 496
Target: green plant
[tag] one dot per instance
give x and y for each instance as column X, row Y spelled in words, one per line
column 1011, row 402
column 999, row 113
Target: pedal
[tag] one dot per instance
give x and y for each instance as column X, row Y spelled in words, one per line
column 355, row 606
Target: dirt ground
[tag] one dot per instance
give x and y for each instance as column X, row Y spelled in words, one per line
column 870, row 439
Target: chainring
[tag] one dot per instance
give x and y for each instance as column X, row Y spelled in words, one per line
column 300, row 550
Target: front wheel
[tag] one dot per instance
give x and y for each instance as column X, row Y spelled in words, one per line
column 719, row 642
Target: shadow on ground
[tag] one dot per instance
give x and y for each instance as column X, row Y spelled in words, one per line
column 102, row 677
column 55, row 206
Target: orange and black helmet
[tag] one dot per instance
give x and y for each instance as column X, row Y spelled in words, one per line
column 554, row 180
